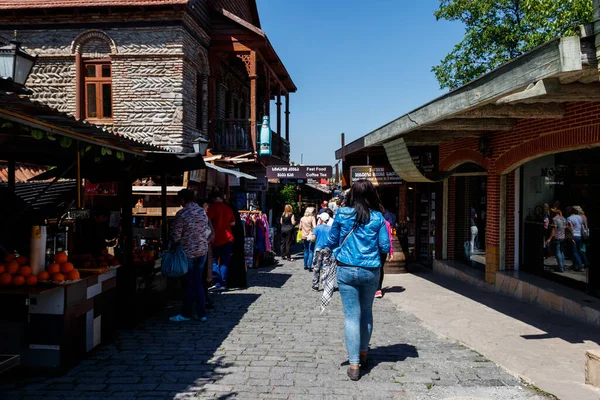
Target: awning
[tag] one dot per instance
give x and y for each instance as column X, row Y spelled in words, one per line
column 402, row 162
column 318, row 187
column 237, row 174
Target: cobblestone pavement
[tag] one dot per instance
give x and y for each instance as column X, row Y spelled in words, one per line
column 270, row 342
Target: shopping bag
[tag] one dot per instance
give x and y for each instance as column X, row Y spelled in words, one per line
column 174, row 262
column 299, row 236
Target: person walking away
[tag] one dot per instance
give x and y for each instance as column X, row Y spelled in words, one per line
column 223, row 220
column 385, row 257
column 287, row 223
column 359, row 236
column 557, row 237
column 474, row 230
column 577, row 225
column 191, row 230
column 307, row 225
column 322, row 253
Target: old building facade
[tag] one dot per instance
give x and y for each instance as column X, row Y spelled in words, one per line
column 163, row 71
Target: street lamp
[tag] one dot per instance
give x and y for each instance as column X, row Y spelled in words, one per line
column 200, row 145
column 15, row 64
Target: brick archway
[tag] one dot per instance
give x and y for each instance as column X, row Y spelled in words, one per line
column 463, row 156
column 570, row 139
column 92, row 35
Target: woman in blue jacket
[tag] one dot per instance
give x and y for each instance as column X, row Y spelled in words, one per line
column 359, row 236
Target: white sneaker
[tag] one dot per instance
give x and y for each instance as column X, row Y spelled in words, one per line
column 214, row 287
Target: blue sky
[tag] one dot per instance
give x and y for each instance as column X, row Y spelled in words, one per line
column 357, row 65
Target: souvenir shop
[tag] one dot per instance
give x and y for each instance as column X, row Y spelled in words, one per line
column 258, row 239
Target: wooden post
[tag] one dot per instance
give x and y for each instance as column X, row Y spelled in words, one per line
column 337, row 173
column 163, row 205
column 253, row 100
column 287, row 116
column 80, row 104
column 343, row 147
column 212, row 94
column 279, row 111
column 267, row 93
column 78, row 175
column 127, row 288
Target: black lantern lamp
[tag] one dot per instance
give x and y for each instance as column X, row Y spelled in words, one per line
column 15, row 64
column 200, row 145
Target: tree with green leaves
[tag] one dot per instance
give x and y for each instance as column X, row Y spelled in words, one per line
column 498, row 31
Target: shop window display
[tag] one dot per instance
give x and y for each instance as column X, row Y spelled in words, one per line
column 559, row 224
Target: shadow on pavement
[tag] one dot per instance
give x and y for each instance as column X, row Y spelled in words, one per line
column 157, row 359
column 555, row 325
column 393, row 289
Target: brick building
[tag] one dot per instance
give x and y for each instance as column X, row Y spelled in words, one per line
column 509, row 147
column 161, row 71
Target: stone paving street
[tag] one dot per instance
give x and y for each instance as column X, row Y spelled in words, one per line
column 270, row 342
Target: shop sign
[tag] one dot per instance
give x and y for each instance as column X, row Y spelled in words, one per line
column 258, row 185
column 377, row 175
column 102, row 189
column 299, row 172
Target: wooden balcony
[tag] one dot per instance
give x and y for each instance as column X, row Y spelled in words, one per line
column 233, row 136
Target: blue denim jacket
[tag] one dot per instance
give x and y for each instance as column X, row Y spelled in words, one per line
column 364, row 245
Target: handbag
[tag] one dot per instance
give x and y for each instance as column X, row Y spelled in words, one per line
column 585, row 231
column 299, row 236
column 174, row 262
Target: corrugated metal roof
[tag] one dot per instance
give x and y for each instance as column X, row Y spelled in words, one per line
column 40, row 195
column 25, row 4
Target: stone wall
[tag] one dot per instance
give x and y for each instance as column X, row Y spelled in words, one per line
column 154, row 77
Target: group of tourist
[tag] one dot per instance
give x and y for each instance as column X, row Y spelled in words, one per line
column 206, row 231
column 565, row 231
column 346, row 246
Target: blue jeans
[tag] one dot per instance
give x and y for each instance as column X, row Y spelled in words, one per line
column 194, row 290
column 578, row 255
column 308, row 253
column 357, row 287
column 560, row 255
column 221, row 261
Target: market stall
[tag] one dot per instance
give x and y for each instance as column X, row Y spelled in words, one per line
column 67, row 261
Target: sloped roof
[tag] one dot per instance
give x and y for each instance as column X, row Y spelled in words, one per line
column 24, row 4
column 23, row 172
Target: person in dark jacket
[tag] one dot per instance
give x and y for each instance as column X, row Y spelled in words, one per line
column 359, row 235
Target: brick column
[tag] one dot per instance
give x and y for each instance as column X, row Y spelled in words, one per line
column 492, row 257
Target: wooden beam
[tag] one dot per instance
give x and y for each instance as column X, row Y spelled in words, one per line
column 287, row 117
column 536, row 111
column 471, row 124
column 551, row 91
column 253, row 99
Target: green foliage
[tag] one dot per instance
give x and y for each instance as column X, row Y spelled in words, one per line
column 289, row 196
column 500, row 30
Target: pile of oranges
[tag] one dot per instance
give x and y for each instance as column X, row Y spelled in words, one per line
column 16, row 272
column 61, row 269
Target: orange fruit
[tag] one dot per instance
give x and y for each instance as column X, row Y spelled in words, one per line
column 2, row 269
column 9, row 258
column 22, row 260
column 60, row 257
column 12, row 267
column 66, row 267
column 18, row 280
column 53, row 268
column 58, row 277
column 43, row 276
column 73, row 275
column 25, row 270
column 5, row 279
column 31, row 280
